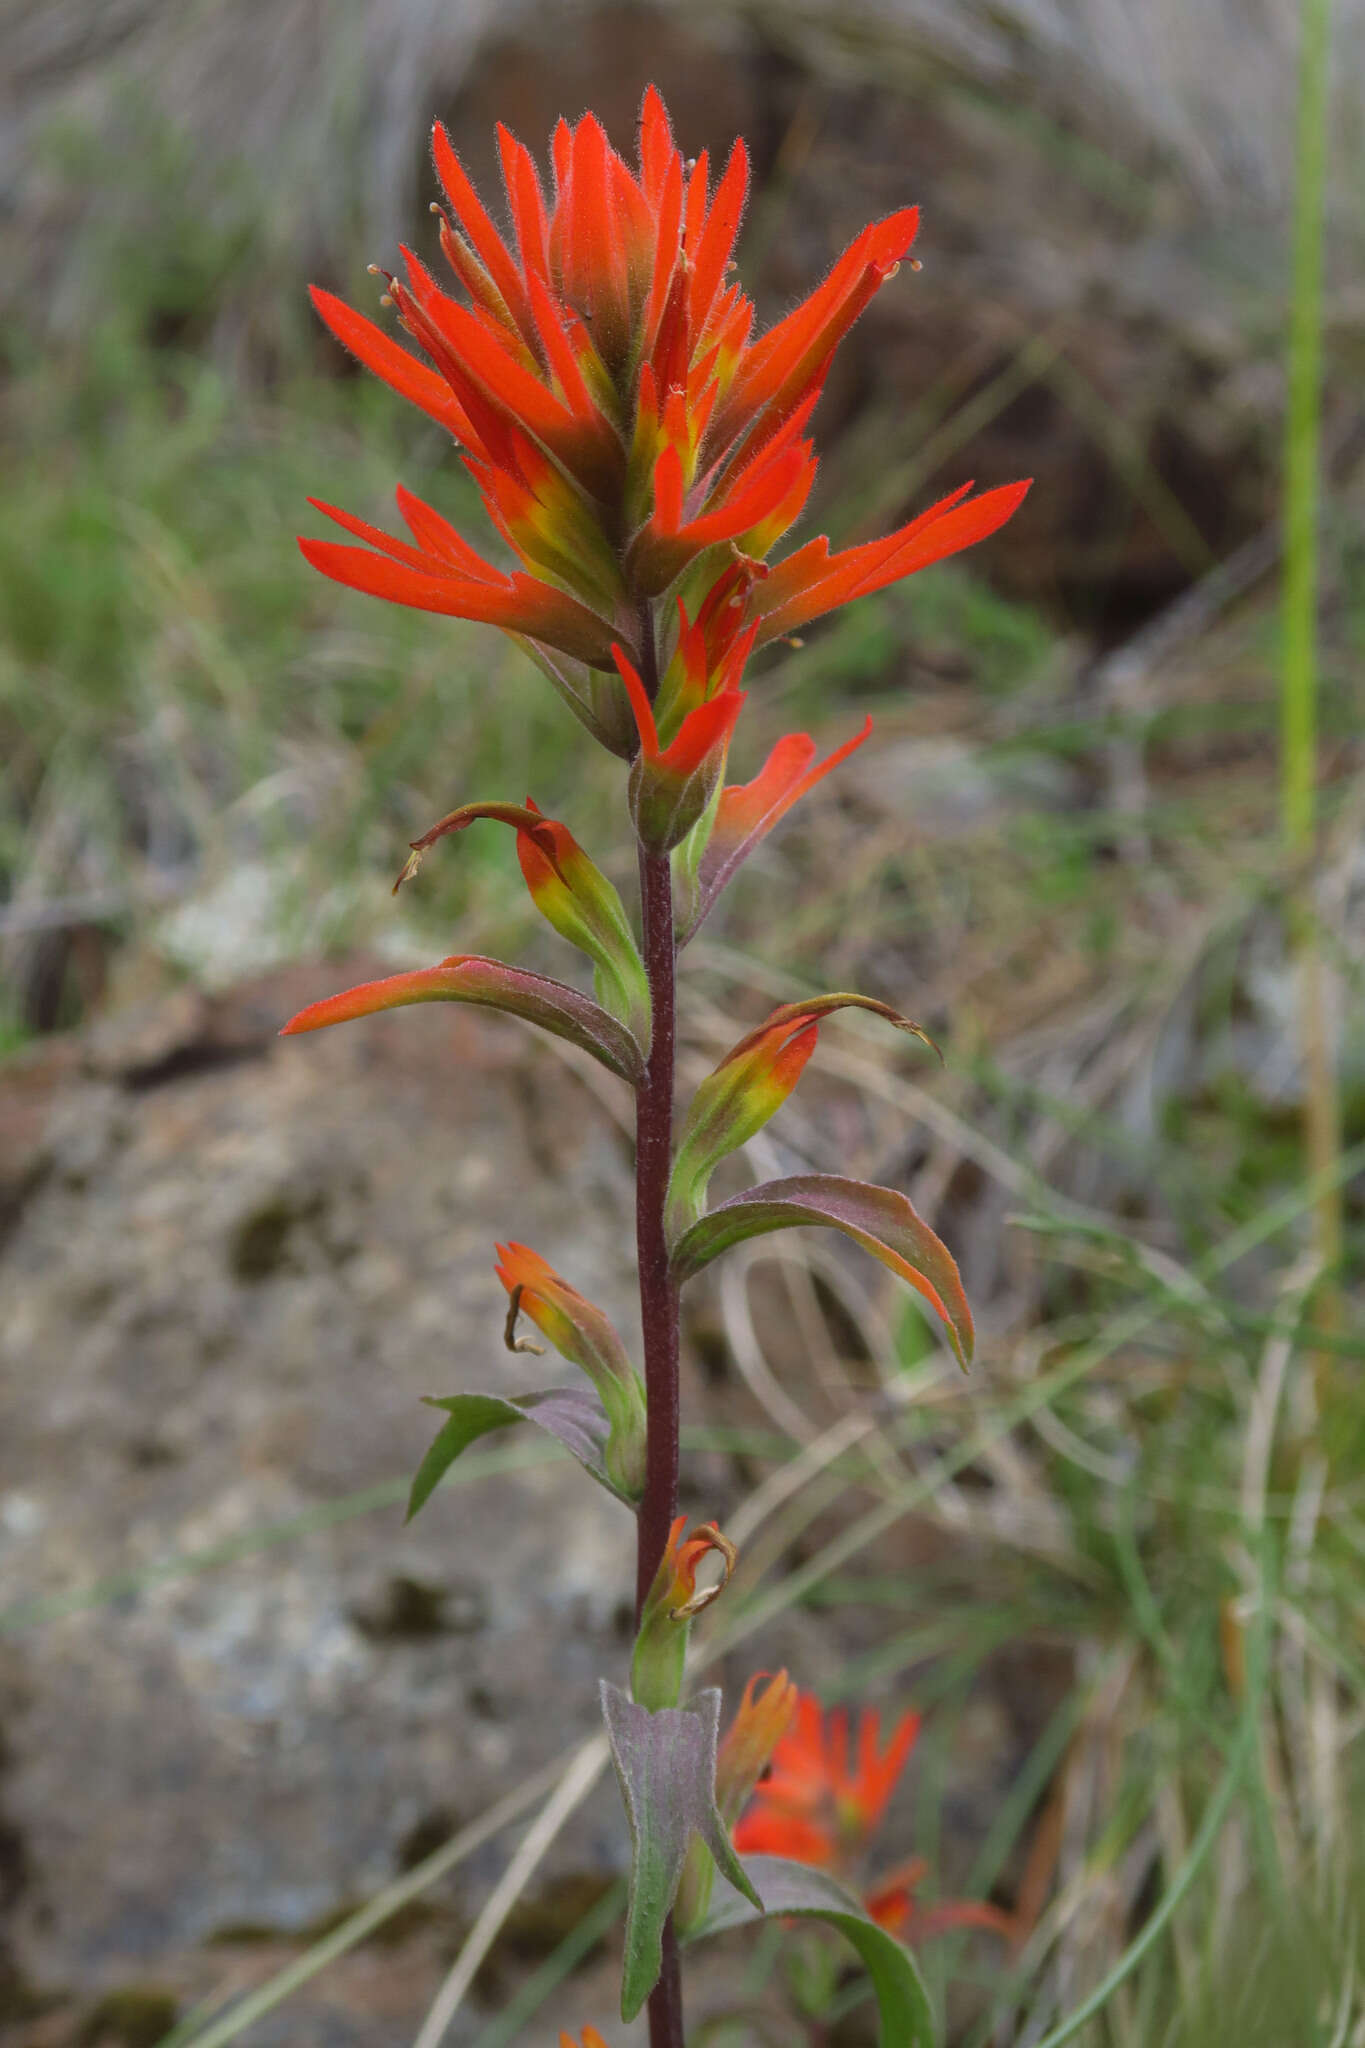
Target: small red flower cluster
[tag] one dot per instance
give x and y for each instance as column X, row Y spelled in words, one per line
column 824, row 1798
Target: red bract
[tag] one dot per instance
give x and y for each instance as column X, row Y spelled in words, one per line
column 626, row 434
column 822, row 1804
column 819, row 1804
column 892, row 1904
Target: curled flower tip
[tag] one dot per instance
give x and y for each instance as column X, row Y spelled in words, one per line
column 409, row 868
column 509, row 1328
column 690, row 1554
column 590, row 2038
column 673, row 1600
column 581, row 1333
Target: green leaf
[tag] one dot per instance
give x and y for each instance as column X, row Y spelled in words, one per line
column 469, row 978
column 798, row 1890
column 572, row 1415
column 666, row 1765
column 881, row 1220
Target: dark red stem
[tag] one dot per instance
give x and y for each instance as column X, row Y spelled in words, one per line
column 658, row 1297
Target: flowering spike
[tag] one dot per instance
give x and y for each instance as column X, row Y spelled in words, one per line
column 625, row 430
column 642, row 453
column 747, row 1088
column 581, row 1333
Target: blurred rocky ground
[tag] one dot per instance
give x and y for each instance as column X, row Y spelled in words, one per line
column 231, row 1267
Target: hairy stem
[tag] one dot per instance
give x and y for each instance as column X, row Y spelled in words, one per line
column 658, row 1294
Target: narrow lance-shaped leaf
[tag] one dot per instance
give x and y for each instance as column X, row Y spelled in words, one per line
column 666, row 1765
column 881, row 1220
column 493, row 985
column 751, row 1083
column 799, row 1891
column 572, row 1415
column 572, row 894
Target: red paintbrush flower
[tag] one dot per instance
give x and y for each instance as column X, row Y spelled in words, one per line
column 626, row 434
column 818, row 1805
column 891, row 1902
column 823, row 1801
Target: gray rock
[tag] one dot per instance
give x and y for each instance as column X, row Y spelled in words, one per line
column 234, row 1266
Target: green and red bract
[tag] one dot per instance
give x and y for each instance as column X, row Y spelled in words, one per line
column 760, row 1723
column 749, row 1086
column 665, row 1760
column 492, row 985
column 671, row 786
column 580, row 1332
column 627, row 432
column 656, row 1669
column 882, row 1220
column 572, row 894
column 744, row 814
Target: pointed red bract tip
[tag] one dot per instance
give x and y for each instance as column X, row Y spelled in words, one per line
column 639, row 702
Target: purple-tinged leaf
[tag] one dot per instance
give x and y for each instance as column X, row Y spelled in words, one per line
column 666, row 1764
column 492, row 984
column 881, row 1220
column 572, row 1415
column 800, row 1890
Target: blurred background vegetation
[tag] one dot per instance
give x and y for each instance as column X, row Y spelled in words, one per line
column 1063, row 850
